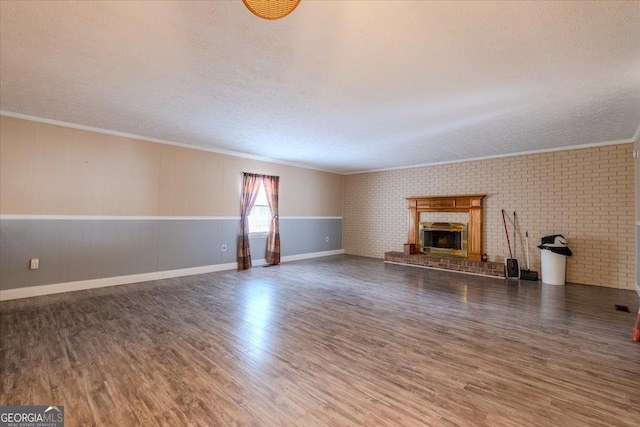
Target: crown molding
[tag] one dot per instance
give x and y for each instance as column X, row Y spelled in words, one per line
column 500, row 156
column 636, row 137
column 158, row 141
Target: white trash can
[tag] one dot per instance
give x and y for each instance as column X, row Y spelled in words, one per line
column 554, row 267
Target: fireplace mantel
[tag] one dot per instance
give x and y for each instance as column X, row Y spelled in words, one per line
column 471, row 203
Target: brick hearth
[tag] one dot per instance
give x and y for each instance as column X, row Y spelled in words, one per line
column 462, row 265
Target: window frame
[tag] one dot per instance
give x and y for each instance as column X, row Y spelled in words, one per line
column 258, row 234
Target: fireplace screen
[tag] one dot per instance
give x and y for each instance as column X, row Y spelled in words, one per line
column 444, row 238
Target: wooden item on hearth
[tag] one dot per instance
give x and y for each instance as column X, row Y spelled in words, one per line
column 410, row 249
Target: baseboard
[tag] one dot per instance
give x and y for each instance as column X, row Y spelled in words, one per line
column 300, row 257
column 57, row 288
column 34, row 291
column 310, row 255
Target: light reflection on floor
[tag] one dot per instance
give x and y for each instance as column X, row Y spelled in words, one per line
column 553, row 301
column 256, row 317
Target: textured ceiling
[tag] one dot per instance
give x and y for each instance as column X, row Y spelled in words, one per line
column 338, row 85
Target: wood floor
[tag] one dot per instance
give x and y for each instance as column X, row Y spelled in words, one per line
column 335, row 341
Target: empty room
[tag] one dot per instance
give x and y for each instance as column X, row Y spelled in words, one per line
column 319, row 213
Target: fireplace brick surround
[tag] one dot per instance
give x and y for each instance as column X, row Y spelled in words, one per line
column 463, row 265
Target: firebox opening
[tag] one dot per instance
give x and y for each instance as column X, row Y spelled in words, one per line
column 444, row 238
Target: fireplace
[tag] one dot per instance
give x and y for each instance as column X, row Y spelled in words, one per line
column 443, row 238
column 471, row 204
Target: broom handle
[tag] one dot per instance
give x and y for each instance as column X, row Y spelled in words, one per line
column 526, row 236
column 515, row 236
column 504, row 221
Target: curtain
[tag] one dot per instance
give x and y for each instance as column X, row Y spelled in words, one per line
column 271, row 184
column 250, row 187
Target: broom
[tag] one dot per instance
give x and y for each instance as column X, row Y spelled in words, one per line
column 528, row 274
column 511, row 264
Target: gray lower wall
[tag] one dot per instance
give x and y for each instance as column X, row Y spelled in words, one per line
column 71, row 250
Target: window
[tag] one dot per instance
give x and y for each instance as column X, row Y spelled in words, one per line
column 260, row 215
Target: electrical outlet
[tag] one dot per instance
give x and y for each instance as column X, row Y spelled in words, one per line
column 34, row 263
column 224, row 248
column 327, row 239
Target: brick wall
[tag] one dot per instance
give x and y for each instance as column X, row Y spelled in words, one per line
column 585, row 194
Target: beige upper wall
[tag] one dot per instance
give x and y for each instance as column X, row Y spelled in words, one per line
column 52, row 170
